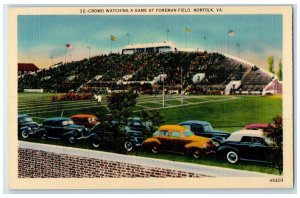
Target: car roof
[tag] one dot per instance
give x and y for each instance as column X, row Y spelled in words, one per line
column 83, row 116
column 57, row 119
column 22, row 115
column 194, row 122
column 237, row 136
column 257, row 125
column 171, row 127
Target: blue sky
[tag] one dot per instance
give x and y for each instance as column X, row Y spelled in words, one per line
column 40, row 37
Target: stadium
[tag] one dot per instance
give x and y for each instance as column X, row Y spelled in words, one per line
column 163, row 76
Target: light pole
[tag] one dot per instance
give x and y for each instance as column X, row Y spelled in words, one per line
column 204, row 43
column 127, row 38
column 89, row 49
column 163, row 91
column 51, row 60
column 168, row 31
column 238, row 48
column 181, row 91
column 230, row 34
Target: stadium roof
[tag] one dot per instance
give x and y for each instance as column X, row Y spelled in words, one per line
column 27, row 67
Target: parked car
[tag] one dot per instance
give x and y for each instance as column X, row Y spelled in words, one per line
column 108, row 134
column 178, row 139
column 26, row 126
column 87, row 120
column 64, row 129
column 250, row 145
column 257, row 126
column 204, row 129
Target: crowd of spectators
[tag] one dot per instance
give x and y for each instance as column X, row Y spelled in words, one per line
column 180, row 67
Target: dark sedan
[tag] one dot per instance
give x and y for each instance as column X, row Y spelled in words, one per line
column 249, row 145
column 26, row 126
column 63, row 129
column 109, row 134
column 204, row 129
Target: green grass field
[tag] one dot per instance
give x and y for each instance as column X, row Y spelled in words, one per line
column 228, row 113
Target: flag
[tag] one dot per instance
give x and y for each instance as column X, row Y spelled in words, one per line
column 231, row 33
column 187, row 29
column 68, row 46
column 113, row 38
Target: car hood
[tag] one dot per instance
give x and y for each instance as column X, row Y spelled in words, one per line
column 75, row 126
column 198, row 138
column 222, row 133
column 31, row 124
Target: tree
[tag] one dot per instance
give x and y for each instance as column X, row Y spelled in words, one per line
column 153, row 117
column 270, row 61
column 279, row 73
column 121, row 104
column 275, row 133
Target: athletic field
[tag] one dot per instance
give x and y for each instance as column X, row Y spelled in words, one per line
column 227, row 113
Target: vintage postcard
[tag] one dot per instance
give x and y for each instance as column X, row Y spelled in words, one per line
column 173, row 97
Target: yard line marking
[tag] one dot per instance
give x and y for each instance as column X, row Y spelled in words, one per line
column 203, row 102
column 33, row 113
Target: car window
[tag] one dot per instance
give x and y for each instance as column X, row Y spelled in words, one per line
column 186, row 126
column 188, row 133
column 176, row 134
column 165, row 134
column 246, row 139
column 258, row 140
column 156, row 133
column 25, row 119
column 207, row 128
column 197, row 128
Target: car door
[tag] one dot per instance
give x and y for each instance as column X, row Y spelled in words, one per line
column 177, row 142
column 50, row 128
column 260, row 149
column 57, row 129
column 245, row 147
column 165, row 141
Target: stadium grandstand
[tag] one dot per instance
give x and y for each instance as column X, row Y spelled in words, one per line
column 149, row 69
column 26, row 68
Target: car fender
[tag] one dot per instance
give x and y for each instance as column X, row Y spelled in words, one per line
column 151, row 141
column 75, row 133
column 195, row 145
column 222, row 149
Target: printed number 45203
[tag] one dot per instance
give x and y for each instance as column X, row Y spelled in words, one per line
column 276, row 180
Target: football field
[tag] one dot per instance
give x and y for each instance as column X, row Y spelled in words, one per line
column 227, row 113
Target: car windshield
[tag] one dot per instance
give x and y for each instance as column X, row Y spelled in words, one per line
column 188, row 133
column 92, row 119
column 26, row 119
column 207, row 128
column 67, row 122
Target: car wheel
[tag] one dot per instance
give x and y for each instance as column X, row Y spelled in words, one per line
column 154, row 149
column 128, row 146
column 71, row 139
column 196, row 153
column 96, row 143
column 25, row 134
column 232, row 157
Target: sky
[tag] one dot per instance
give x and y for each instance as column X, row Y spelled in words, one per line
column 43, row 36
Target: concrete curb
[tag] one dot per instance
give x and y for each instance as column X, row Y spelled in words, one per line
column 143, row 161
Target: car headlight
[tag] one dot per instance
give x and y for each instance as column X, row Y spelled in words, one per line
column 29, row 128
